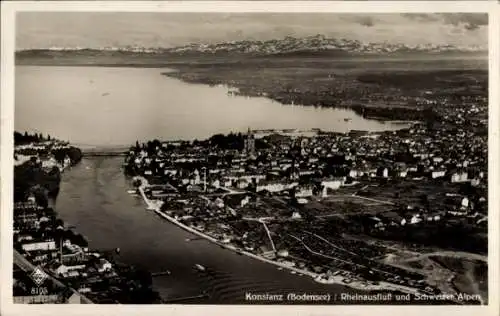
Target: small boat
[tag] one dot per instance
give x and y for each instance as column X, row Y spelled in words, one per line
column 347, row 119
column 132, row 191
column 199, row 267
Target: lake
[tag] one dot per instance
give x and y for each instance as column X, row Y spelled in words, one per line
column 112, row 106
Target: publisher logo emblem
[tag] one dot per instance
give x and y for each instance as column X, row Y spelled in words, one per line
column 38, row 276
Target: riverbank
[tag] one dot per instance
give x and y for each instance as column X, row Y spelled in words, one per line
column 42, row 239
column 155, row 206
column 38, row 165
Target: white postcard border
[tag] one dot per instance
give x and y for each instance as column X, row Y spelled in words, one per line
column 8, row 11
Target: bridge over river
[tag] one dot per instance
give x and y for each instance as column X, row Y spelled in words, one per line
column 89, row 150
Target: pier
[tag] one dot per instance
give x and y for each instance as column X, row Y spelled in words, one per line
column 160, row 273
column 186, row 298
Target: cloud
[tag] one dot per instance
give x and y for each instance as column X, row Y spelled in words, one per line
column 364, row 20
column 421, row 16
column 469, row 21
column 97, row 29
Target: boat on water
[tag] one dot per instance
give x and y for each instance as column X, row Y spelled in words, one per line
column 324, row 280
column 132, row 191
column 347, row 119
column 199, row 267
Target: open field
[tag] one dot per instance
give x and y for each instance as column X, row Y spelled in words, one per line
column 343, row 205
column 416, row 193
column 471, row 275
column 452, row 272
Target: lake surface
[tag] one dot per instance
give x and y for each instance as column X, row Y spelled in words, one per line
column 116, row 106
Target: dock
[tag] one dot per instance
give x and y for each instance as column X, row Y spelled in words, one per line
column 160, row 273
column 186, row 298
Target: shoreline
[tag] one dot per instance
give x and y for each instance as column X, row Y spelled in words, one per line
column 191, row 75
column 335, row 280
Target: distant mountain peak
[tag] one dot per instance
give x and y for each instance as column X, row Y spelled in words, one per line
column 319, row 42
column 287, row 45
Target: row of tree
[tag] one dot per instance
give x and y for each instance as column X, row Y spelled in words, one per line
column 26, row 138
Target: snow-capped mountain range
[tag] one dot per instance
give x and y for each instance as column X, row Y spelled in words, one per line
column 318, row 43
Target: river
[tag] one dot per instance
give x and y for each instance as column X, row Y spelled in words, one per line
column 117, row 106
column 94, row 199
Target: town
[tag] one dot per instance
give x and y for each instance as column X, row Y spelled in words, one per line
column 369, row 210
column 52, row 263
column 252, row 158
column 404, row 210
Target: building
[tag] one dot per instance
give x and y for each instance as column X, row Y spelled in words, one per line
column 39, row 245
column 438, row 174
column 62, row 269
column 331, row 184
column 104, row 265
column 272, row 186
column 37, row 299
column 249, row 148
column 304, row 191
column 459, row 177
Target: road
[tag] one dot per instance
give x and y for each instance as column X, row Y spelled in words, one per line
column 262, row 221
column 269, row 235
column 372, row 200
column 334, row 246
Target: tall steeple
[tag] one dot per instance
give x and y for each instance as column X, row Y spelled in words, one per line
column 250, row 143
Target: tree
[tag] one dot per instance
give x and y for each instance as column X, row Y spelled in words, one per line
column 80, row 240
column 59, row 222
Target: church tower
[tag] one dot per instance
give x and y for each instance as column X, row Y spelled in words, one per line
column 250, row 143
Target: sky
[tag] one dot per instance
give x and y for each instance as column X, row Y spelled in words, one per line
column 100, row 29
